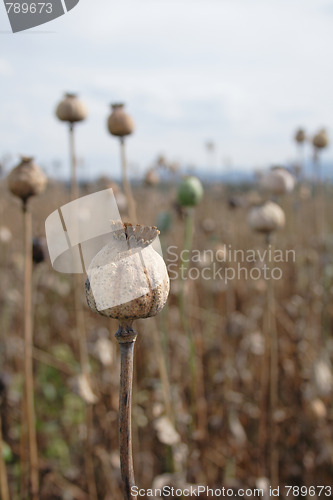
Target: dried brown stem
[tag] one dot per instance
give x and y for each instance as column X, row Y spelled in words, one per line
column 158, row 348
column 28, row 355
column 81, row 330
column 274, row 374
column 268, row 431
column 74, row 184
column 126, row 184
column 23, row 450
column 79, row 313
column 126, row 337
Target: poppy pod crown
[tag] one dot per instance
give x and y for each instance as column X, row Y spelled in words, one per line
column 26, row 179
column 320, row 140
column 71, row 109
column 266, row 218
column 119, row 122
column 300, row 136
column 278, row 181
column 128, row 278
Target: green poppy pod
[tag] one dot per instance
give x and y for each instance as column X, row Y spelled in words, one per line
column 190, row 192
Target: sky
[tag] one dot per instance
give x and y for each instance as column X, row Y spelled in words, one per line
column 241, row 73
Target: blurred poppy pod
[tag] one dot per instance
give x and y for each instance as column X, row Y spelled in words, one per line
column 119, row 122
column 71, row 109
column 266, row 218
column 208, row 225
column 320, row 140
column 278, row 181
column 128, row 279
column 161, row 161
column 300, row 136
column 38, row 250
column 152, row 178
column 27, row 179
column 5, row 235
column 190, row 192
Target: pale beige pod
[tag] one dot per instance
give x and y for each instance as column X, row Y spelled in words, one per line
column 27, row 179
column 128, row 266
column 151, row 177
column 320, row 140
column 266, row 218
column 278, row 181
column 119, row 122
column 71, row 109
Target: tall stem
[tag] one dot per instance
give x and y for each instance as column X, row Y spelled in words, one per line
column 81, row 329
column 188, row 237
column 28, row 360
column 73, row 162
column 319, row 197
column 126, row 337
column 79, row 313
column 274, row 378
column 301, row 159
column 197, row 392
column 126, row 183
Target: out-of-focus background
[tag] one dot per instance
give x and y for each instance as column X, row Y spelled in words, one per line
column 233, row 379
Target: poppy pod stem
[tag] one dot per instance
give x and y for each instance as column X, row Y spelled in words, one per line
column 28, row 346
column 198, row 404
column 80, row 322
column 319, row 197
column 81, row 329
column 74, row 184
column 126, row 338
column 126, row 183
column 272, row 361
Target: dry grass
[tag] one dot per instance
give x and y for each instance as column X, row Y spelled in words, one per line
column 227, row 324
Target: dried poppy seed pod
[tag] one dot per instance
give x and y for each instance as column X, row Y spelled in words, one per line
column 278, row 181
column 320, row 140
column 300, row 136
column 128, row 267
column 266, row 218
column 71, row 109
column 27, row 179
column 119, row 122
